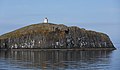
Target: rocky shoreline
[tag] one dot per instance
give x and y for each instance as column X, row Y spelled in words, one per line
column 77, row 49
column 54, row 36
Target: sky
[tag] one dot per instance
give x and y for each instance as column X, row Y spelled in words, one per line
column 97, row 15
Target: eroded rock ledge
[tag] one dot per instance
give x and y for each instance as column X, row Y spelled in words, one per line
column 48, row 35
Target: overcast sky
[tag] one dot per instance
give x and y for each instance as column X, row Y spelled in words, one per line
column 97, row 15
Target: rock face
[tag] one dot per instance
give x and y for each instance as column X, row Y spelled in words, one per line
column 48, row 35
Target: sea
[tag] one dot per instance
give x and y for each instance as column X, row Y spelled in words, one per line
column 60, row 60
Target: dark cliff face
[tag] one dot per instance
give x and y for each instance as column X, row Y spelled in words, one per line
column 48, row 35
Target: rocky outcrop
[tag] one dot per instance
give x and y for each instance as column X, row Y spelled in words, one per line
column 48, row 35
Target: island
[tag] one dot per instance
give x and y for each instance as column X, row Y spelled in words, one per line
column 55, row 36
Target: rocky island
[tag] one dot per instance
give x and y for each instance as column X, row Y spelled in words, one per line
column 55, row 36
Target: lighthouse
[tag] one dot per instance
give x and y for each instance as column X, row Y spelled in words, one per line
column 45, row 20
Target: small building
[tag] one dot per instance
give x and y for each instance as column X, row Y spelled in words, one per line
column 45, row 20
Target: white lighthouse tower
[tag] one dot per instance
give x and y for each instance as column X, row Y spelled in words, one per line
column 45, row 20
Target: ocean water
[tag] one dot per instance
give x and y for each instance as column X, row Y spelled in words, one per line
column 60, row 60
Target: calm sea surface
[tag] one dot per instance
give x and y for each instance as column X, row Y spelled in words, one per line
column 60, row 60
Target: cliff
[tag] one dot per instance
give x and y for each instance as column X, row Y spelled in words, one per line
column 48, row 35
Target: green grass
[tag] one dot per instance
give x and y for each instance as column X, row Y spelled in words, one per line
column 46, row 28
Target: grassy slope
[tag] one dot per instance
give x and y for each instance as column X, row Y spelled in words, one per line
column 42, row 28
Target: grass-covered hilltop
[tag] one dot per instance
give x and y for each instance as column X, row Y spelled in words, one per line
column 54, row 36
